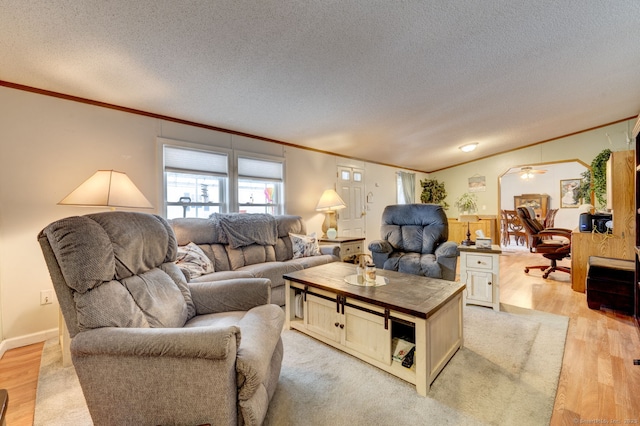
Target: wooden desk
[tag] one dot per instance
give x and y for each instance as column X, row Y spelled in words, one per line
column 620, row 244
column 585, row 244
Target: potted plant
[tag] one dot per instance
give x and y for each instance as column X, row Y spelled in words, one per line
column 467, row 203
column 433, row 192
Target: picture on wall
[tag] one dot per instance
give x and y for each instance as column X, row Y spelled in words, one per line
column 477, row 184
column 538, row 202
column 569, row 197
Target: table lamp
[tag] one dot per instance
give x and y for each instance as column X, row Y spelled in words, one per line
column 329, row 203
column 468, row 218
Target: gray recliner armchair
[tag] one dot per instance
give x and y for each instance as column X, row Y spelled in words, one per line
column 147, row 347
column 414, row 241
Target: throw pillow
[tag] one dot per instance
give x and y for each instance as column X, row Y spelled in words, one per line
column 192, row 258
column 304, row 245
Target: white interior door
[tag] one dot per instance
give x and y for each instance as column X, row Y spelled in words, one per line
column 351, row 189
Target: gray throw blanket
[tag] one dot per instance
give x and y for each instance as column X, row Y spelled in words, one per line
column 244, row 229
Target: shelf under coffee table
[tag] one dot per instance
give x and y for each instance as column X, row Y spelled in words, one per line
column 363, row 320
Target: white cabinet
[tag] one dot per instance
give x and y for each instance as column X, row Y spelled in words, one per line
column 322, row 317
column 366, row 334
column 479, row 286
column 480, row 271
column 342, row 321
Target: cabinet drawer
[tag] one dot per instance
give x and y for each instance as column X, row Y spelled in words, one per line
column 349, row 249
column 477, row 261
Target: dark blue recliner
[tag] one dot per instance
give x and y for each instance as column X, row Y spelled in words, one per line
column 414, row 241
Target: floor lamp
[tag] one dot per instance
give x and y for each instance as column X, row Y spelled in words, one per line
column 329, row 203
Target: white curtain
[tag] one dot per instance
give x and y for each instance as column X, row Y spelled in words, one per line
column 408, row 186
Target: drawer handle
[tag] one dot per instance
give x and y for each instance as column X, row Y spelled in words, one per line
column 341, row 325
column 489, row 282
column 336, row 324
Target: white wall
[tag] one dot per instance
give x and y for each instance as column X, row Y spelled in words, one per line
column 583, row 146
column 48, row 146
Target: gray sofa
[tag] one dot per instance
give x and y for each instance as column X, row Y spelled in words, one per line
column 147, row 347
column 240, row 246
column 414, row 241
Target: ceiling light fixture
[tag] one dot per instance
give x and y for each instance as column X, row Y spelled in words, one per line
column 529, row 172
column 527, row 176
column 468, row 147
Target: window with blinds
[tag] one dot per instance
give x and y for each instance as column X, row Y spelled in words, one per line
column 195, row 181
column 260, row 185
column 199, row 182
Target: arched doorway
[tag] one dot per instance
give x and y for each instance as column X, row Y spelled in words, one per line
column 544, row 178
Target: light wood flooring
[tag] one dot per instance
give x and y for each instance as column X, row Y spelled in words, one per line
column 598, row 382
column 19, row 375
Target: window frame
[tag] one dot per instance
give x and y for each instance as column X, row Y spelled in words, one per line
column 230, row 202
column 235, row 181
column 224, row 204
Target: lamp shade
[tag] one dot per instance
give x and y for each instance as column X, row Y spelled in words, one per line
column 107, row 188
column 330, row 200
column 468, row 218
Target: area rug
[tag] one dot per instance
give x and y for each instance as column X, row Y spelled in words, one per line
column 506, row 373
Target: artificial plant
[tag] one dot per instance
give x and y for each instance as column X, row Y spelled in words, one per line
column 584, row 190
column 599, row 174
column 433, row 192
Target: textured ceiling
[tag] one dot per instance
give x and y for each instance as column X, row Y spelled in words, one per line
column 403, row 83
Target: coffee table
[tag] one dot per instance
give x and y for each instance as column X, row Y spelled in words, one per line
column 363, row 320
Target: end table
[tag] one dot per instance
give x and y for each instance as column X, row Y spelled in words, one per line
column 480, row 271
column 349, row 246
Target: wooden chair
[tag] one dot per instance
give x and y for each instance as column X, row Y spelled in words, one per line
column 549, row 221
column 550, row 218
column 512, row 227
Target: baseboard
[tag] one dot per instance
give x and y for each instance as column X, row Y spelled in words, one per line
column 28, row 339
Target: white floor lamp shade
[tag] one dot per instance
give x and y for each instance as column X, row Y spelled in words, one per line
column 107, row 188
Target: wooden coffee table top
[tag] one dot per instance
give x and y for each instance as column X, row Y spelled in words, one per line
column 411, row 294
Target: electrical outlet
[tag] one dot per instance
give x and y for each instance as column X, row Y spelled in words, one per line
column 46, row 297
